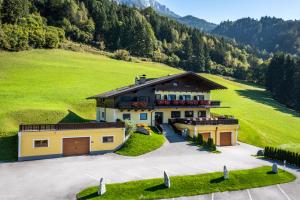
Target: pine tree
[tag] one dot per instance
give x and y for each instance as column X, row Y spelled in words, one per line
column 13, row 10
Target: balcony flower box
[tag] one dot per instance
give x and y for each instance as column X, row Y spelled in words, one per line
column 175, row 102
column 181, row 102
column 139, row 104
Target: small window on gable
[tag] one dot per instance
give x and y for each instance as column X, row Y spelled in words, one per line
column 158, row 96
column 108, row 139
column 40, row 143
column 126, row 116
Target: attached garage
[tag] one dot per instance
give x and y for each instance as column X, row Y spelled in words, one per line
column 225, row 139
column 76, row 146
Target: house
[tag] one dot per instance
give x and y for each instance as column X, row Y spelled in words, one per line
column 182, row 100
column 57, row 140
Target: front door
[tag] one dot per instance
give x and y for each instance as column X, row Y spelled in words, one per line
column 159, row 116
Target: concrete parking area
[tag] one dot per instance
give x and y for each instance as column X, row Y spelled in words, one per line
column 62, row 178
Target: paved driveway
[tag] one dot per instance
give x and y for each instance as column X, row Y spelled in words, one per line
column 62, row 178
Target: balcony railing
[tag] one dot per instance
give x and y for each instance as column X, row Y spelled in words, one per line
column 70, row 126
column 206, row 121
column 203, row 103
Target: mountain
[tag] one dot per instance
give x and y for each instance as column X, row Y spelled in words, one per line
column 268, row 33
column 197, row 23
column 189, row 20
column 142, row 4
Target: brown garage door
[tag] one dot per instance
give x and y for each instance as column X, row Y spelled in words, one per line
column 205, row 136
column 76, row 146
column 225, row 139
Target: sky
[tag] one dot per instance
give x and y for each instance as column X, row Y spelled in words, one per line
column 217, row 11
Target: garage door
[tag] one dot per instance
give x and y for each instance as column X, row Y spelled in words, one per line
column 76, row 146
column 225, row 139
column 205, row 136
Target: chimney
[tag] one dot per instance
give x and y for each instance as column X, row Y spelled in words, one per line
column 140, row 79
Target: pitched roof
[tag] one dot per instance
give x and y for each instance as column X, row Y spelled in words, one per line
column 151, row 82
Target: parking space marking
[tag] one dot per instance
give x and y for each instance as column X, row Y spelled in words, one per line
column 212, row 196
column 249, row 194
column 283, row 192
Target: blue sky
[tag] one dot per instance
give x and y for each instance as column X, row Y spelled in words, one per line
column 221, row 10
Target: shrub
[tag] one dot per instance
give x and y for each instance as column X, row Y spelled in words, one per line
column 200, row 139
column 53, row 37
column 210, row 145
column 282, row 155
column 15, row 37
column 130, row 127
column 36, row 38
column 122, row 54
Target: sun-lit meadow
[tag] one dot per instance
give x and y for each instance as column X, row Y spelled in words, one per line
column 49, row 86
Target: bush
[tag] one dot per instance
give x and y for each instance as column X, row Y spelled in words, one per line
column 200, row 139
column 130, row 127
column 122, row 54
column 53, row 37
column 15, row 37
column 282, row 155
column 210, row 145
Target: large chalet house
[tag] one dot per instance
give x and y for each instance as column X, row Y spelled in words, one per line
column 181, row 99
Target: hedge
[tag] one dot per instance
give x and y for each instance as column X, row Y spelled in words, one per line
column 291, row 158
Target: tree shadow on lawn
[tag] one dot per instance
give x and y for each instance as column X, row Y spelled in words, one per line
column 266, row 98
column 72, row 117
column 156, row 188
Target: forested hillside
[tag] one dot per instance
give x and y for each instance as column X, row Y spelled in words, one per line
column 109, row 26
column 269, row 33
column 283, row 80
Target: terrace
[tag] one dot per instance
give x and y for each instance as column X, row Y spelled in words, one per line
column 214, row 120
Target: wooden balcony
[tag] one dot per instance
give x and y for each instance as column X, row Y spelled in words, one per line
column 188, row 103
column 69, row 126
column 206, row 121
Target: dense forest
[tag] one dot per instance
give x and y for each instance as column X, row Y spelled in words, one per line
column 110, row 27
column 268, row 33
column 283, row 79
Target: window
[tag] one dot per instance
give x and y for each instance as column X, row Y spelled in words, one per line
column 202, row 114
column 187, row 97
column 172, row 97
column 40, row 143
column 158, row 96
column 189, row 114
column 175, row 114
column 180, row 97
column 165, row 97
column 199, row 97
column 126, row 116
column 108, row 139
column 143, row 116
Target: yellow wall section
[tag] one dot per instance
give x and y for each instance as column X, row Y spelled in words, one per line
column 55, row 140
column 214, row 130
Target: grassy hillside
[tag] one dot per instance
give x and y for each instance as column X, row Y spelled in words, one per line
column 49, row 86
column 263, row 120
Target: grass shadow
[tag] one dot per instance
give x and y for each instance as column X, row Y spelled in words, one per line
column 266, row 98
column 9, row 148
column 72, row 117
column 90, row 196
column 156, row 188
column 217, row 180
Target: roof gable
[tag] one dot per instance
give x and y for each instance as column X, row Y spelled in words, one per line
column 190, row 76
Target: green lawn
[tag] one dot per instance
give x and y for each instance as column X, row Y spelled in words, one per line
column 263, row 121
column 190, row 185
column 139, row 144
column 49, row 86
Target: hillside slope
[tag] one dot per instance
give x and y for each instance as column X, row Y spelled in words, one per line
column 49, row 86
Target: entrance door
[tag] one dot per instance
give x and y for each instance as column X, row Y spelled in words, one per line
column 159, row 116
column 76, row 146
column 225, row 139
